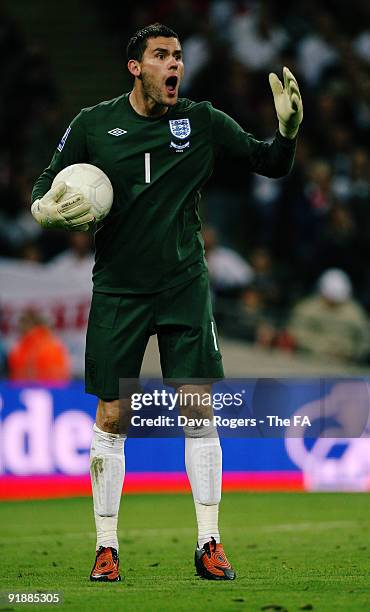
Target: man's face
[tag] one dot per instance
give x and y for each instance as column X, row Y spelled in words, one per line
column 162, row 70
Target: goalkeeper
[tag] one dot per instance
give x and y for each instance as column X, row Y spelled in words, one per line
column 150, row 274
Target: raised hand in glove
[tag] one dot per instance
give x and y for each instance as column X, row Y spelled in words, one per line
column 288, row 102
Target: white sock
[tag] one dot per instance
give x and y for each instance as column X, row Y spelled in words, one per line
column 107, row 469
column 203, row 459
column 207, row 517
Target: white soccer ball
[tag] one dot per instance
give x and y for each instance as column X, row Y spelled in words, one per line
column 92, row 182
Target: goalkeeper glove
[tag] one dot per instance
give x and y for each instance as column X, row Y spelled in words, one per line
column 288, row 103
column 71, row 214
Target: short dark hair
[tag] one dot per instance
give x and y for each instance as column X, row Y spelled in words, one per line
column 138, row 42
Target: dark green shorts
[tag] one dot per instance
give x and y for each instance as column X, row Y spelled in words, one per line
column 120, row 326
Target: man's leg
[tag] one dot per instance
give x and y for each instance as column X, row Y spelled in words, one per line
column 189, row 350
column 107, row 467
column 117, row 335
column 203, row 460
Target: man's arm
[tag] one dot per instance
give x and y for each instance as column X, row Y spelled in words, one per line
column 73, row 213
column 71, row 150
column 273, row 159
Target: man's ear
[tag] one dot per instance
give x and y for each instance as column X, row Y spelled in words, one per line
column 134, row 67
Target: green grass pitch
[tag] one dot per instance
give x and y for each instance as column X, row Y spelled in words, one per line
column 291, row 552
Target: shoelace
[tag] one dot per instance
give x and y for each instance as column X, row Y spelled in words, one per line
column 113, row 551
column 207, row 547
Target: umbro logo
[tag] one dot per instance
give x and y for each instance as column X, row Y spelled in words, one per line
column 117, row 132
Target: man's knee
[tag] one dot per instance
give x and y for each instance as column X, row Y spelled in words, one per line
column 204, row 431
column 108, row 416
column 196, row 401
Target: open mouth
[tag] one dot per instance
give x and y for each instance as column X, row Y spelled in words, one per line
column 171, row 84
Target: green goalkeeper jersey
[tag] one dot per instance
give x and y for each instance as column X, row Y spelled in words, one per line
column 150, row 240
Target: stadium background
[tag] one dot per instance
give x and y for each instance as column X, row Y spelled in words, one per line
column 267, row 241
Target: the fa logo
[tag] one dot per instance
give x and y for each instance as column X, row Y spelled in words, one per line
column 180, row 128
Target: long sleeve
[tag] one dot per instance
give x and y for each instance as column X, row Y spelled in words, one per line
column 273, row 159
column 72, row 149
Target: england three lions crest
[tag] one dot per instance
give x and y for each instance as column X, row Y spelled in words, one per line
column 180, row 128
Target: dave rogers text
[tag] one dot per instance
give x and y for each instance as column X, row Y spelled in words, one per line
column 181, row 421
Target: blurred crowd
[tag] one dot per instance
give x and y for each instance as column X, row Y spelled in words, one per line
column 289, row 258
column 30, row 125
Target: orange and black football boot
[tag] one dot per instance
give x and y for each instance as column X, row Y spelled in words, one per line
column 106, row 566
column 211, row 562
